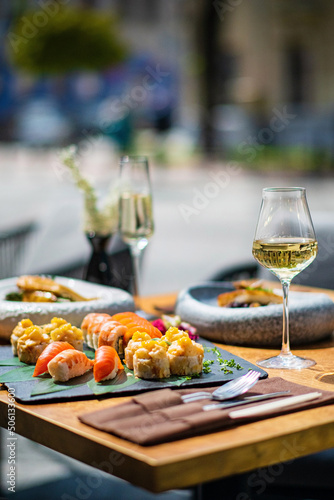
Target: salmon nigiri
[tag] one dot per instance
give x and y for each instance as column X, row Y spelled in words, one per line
column 135, row 323
column 68, row 364
column 107, row 363
column 49, row 353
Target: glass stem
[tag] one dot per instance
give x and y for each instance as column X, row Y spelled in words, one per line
column 285, row 351
column 136, row 255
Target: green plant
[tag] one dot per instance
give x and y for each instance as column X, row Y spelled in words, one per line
column 72, row 39
column 102, row 221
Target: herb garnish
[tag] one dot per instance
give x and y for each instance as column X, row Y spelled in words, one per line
column 225, row 364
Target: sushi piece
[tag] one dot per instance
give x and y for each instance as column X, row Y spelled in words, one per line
column 133, row 345
column 49, row 353
column 65, row 332
column 185, row 357
column 18, row 331
column 107, row 363
column 92, row 323
column 150, row 361
column 31, row 344
column 111, row 334
column 135, row 323
column 69, row 364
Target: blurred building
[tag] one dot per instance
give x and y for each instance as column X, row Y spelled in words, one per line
column 227, row 66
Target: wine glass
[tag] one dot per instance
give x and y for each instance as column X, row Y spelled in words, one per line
column 135, row 212
column 285, row 244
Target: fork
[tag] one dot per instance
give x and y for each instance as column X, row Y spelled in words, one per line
column 230, row 390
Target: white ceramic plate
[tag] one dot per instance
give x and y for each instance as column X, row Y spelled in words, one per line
column 109, row 300
column 311, row 317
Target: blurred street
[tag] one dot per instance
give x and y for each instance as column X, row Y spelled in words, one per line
column 205, row 214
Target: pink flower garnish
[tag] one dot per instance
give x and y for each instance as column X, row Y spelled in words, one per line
column 191, row 330
column 159, row 324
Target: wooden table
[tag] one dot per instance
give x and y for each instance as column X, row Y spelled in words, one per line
column 195, row 460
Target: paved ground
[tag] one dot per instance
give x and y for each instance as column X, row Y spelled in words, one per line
column 205, row 218
column 205, row 215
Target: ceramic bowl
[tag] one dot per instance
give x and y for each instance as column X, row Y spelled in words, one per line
column 311, row 317
column 108, row 300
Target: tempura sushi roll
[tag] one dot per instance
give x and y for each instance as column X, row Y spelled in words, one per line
column 135, row 323
column 151, row 361
column 65, row 332
column 111, row 334
column 133, row 345
column 92, row 324
column 49, row 353
column 18, row 331
column 31, row 344
column 185, row 357
column 69, row 364
column 107, row 363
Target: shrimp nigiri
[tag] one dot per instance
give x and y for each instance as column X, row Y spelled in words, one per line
column 49, row 353
column 91, row 324
column 68, row 364
column 135, row 323
column 111, row 334
column 107, row 363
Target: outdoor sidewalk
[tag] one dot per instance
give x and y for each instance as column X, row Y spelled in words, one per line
column 205, row 215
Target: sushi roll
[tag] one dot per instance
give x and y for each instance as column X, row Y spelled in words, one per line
column 185, row 357
column 31, row 344
column 150, row 360
column 135, row 323
column 91, row 324
column 111, row 334
column 65, row 332
column 133, row 345
column 107, row 363
column 18, row 331
column 49, row 353
column 69, row 364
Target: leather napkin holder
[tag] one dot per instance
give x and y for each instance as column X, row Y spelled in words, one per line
column 159, row 416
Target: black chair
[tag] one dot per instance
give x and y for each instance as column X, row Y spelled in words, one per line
column 13, row 246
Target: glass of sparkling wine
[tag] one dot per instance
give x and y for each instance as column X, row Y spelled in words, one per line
column 135, row 212
column 285, row 244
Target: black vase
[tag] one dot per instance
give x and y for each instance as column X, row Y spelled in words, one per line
column 110, row 263
column 98, row 269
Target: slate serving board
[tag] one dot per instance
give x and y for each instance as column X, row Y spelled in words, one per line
column 80, row 390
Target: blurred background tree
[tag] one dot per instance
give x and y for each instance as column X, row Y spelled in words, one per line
column 72, row 40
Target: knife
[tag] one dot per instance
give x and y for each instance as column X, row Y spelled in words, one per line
column 273, row 405
column 244, row 401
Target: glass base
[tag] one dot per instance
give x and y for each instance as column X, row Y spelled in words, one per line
column 287, row 362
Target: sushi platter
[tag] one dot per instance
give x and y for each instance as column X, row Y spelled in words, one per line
column 84, row 387
column 105, row 354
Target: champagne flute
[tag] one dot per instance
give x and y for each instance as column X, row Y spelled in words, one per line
column 135, row 212
column 285, row 244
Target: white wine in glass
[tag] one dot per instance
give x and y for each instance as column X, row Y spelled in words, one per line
column 285, row 243
column 135, row 211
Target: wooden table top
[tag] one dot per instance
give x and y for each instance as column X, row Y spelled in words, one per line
column 194, row 460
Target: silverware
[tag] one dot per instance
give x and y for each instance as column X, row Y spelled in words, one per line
column 245, row 400
column 230, row 390
column 273, row 405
